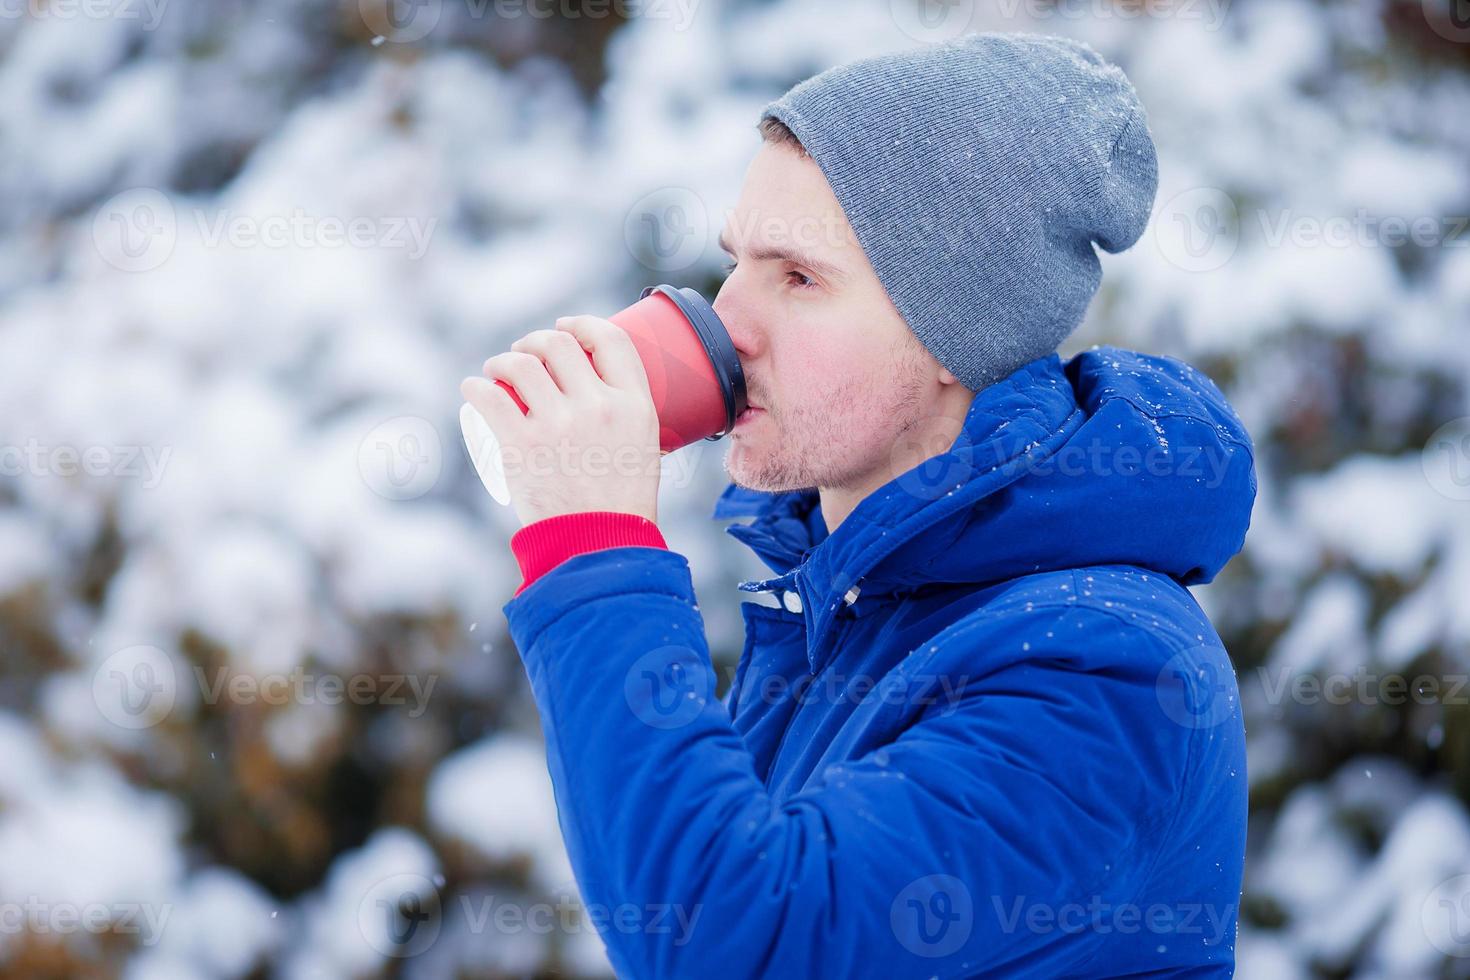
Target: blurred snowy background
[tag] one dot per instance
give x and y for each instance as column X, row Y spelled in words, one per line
column 257, row 704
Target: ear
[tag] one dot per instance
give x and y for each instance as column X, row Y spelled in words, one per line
column 946, row 378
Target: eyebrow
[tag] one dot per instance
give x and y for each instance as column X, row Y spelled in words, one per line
column 778, row 253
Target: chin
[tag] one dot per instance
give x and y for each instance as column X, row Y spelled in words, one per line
column 736, row 467
column 742, row 469
column 756, row 472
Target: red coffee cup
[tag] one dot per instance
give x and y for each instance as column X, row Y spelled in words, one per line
column 694, row 376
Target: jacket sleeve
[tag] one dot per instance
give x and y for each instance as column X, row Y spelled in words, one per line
column 542, row 545
column 958, row 848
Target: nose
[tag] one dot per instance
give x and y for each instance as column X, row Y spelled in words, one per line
column 738, row 323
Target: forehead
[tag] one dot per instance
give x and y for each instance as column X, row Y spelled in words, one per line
column 785, row 198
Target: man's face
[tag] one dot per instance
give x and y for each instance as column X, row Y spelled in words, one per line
column 836, row 372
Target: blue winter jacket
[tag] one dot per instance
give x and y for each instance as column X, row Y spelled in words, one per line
column 986, row 731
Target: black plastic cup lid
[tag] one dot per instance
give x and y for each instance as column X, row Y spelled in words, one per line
column 717, row 345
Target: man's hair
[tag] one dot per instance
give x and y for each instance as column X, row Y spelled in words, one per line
column 777, row 133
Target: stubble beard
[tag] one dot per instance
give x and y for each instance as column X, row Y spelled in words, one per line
column 808, row 447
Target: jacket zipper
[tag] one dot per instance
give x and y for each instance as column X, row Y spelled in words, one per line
column 791, row 722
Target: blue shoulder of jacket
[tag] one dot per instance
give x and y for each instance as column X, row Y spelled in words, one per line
column 1095, row 615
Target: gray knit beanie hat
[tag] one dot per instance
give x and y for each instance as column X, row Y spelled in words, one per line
column 977, row 175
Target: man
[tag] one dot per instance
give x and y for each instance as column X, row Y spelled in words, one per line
column 986, row 731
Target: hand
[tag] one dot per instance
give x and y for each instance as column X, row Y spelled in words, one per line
column 589, row 440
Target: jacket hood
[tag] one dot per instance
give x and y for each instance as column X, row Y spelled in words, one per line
column 1114, row 457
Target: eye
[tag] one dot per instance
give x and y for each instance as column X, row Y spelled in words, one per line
column 798, row 280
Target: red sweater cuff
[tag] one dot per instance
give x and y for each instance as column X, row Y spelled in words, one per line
column 542, row 545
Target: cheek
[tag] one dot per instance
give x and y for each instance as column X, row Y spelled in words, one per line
column 815, row 373
column 833, row 403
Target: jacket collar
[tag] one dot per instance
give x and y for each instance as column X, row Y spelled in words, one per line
column 1031, row 410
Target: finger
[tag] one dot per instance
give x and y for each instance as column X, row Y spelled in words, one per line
column 493, row 403
column 526, row 373
column 565, row 360
column 613, row 352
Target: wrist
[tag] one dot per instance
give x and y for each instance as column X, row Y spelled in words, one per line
column 542, row 545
